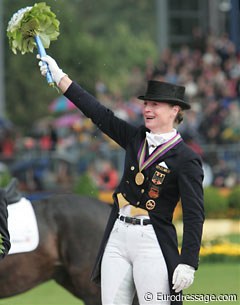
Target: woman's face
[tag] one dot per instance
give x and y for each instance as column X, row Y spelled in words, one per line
column 159, row 116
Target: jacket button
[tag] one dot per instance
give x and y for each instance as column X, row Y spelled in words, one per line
column 127, row 182
column 124, row 194
column 142, row 191
column 138, row 203
column 132, row 168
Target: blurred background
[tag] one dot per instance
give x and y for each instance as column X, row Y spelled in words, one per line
column 112, row 48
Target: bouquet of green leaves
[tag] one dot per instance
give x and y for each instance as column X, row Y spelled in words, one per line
column 31, row 27
column 2, row 248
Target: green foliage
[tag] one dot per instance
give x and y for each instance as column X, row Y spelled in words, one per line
column 29, row 22
column 221, row 204
column 98, row 40
column 216, row 205
column 232, row 238
column 2, row 248
column 85, row 186
column 234, row 203
column 5, row 177
column 128, row 51
column 234, row 198
column 217, row 258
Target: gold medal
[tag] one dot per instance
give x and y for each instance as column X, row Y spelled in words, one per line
column 144, row 164
column 139, row 178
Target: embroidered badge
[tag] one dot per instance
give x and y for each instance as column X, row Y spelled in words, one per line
column 150, row 204
column 153, row 192
column 158, row 178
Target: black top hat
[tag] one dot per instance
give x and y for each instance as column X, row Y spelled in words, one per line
column 165, row 92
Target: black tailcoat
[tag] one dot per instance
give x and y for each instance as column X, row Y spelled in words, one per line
column 183, row 181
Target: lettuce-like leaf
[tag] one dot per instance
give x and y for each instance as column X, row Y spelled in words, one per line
column 29, row 22
column 2, row 248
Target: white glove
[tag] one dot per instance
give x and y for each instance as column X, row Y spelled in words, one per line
column 183, row 277
column 56, row 72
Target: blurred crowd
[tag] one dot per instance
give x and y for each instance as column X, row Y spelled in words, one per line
column 209, row 68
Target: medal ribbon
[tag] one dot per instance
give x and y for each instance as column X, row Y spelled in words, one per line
column 157, row 153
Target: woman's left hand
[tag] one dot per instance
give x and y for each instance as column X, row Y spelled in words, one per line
column 56, row 73
column 183, row 277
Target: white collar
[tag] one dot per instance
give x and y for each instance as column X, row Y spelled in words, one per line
column 155, row 139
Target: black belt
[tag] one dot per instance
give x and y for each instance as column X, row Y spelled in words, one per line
column 134, row 221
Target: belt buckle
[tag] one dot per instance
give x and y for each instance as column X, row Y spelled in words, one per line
column 134, row 221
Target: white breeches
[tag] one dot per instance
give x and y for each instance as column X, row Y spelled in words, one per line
column 133, row 262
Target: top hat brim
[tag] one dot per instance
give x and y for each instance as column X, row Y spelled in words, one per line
column 167, row 100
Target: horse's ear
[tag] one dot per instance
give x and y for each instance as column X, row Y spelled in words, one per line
column 13, row 195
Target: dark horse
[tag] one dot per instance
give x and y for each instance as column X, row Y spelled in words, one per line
column 70, row 229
